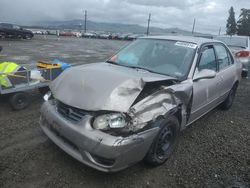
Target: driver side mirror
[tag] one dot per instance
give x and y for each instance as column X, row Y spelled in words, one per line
column 204, row 74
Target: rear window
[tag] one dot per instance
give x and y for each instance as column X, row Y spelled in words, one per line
column 234, row 41
column 5, row 25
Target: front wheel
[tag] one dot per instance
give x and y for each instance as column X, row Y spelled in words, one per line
column 27, row 36
column 165, row 142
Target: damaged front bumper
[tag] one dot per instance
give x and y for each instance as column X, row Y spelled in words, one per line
column 92, row 147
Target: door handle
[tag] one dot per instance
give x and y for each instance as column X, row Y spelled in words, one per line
column 220, row 80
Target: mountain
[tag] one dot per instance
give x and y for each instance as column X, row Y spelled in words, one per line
column 107, row 27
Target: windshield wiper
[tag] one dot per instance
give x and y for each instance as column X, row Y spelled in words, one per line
column 143, row 68
column 112, row 62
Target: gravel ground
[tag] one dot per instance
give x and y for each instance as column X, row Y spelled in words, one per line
column 212, row 152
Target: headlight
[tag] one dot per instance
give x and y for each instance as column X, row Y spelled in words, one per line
column 47, row 96
column 104, row 122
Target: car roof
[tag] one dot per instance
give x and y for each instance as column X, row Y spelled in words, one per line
column 232, row 36
column 197, row 40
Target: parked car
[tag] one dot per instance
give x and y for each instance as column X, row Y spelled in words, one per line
column 52, row 32
column 134, row 36
column 37, row 32
column 77, row 34
column 105, row 36
column 240, row 47
column 14, row 31
column 89, row 35
column 66, row 34
column 123, row 36
column 115, row 36
column 113, row 114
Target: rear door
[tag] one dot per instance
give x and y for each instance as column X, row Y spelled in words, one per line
column 7, row 28
column 205, row 91
column 226, row 69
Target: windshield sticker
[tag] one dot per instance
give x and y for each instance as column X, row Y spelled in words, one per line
column 186, row 44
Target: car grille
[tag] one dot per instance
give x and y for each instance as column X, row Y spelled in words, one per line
column 70, row 113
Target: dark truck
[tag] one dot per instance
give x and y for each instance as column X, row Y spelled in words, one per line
column 14, row 31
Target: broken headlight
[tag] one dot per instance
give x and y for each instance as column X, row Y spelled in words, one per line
column 110, row 121
column 47, row 96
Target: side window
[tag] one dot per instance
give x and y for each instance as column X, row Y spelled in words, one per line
column 16, row 27
column 9, row 26
column 207, row 60
column 230, row 58
column 222, row 56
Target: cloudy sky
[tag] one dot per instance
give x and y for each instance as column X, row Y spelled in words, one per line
column 210, row 14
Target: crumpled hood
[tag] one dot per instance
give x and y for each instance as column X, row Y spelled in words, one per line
column 101, row 86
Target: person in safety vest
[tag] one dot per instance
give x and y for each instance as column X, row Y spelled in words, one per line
column 8, row 68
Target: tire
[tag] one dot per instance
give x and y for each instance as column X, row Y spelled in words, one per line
column 244, row 74
column 165, row 142
column 27, row 36
column 19, row 101
column 226, row 105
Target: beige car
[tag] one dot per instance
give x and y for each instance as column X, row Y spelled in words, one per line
column 113, row 114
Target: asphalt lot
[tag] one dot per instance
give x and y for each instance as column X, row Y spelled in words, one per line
column 67, row 49
column 212, row 152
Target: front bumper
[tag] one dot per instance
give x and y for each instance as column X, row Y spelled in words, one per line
column 92, row 147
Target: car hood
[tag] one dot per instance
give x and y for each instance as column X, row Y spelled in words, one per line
column 102, row 86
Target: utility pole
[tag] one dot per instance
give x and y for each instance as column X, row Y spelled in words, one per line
column 149, row 19
column 219, row 30
column 85, row 21
column 193, row 27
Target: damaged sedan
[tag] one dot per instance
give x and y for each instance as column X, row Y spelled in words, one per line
column 113, row 114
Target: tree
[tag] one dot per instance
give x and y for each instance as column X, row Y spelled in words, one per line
column 231, row 23
column 243, row 24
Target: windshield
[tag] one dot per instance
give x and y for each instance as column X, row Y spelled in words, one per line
column 233, row 41
column 168, row 57
column 16, row 27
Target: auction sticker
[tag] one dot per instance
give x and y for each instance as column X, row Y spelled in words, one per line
column 186, row 44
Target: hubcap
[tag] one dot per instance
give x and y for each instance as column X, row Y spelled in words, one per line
column 20, row 101
column 165, row 142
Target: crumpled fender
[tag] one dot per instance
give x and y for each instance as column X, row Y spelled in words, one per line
column 160, row 103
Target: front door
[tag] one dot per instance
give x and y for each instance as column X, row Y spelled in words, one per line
column 205, row 91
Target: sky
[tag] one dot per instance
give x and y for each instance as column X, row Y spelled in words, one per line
column 210, row 15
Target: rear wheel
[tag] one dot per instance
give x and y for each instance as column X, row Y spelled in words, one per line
column 226, row 105
column 165, row 142
column 244, row 74
column 19, row 101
